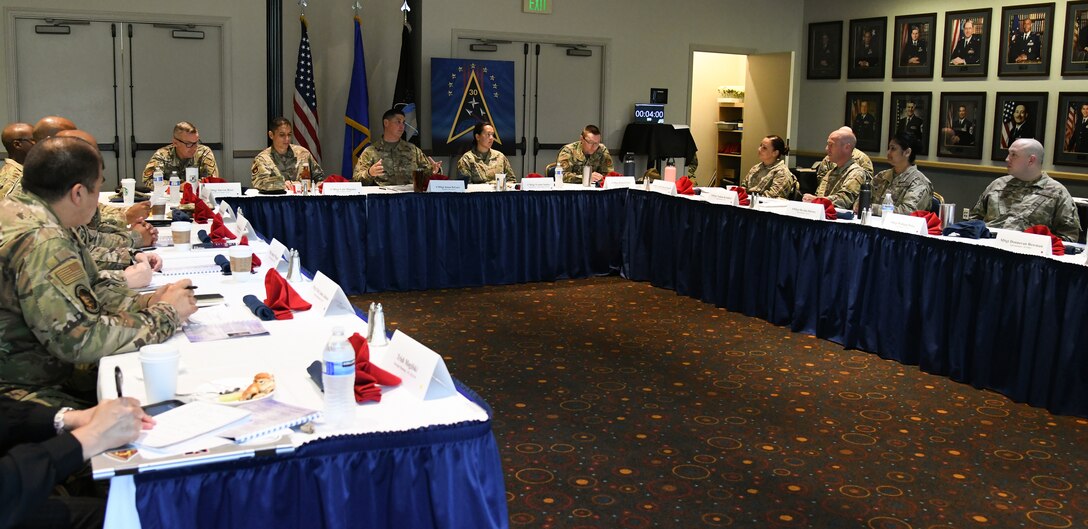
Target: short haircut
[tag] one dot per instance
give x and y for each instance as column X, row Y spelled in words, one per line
column 778, row 144
column 905, row 140
column 278, row 122
column 392, row 112
column 185, row 126
column 592, row 129
column 55, row 165
column 1031, row 147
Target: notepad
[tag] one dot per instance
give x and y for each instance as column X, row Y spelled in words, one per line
column 268, row 416
column 189, row 421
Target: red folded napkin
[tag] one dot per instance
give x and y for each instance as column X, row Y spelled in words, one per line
column 212, row 180
column 933, row 222
column 255, row 261
column 368, row 374
column 742, row 195
column 1057, row 247
column 282, row 299
column 187, row 195
column 439, row 177
column 612, row 173
column 684, row 186
column 335, row 178
column 829, row 208
column 219, row 231
column 534, row 175
column 202, row 213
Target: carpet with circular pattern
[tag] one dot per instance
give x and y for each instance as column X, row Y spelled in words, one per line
column 621, row 405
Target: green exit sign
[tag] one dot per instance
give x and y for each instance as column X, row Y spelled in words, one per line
column 543, row 7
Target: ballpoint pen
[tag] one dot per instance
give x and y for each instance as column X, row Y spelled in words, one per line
column 118, row 378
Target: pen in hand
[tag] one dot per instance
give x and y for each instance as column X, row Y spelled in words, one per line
column 118, row 378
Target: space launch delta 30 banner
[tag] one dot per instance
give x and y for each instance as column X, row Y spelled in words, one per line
column 465, row 92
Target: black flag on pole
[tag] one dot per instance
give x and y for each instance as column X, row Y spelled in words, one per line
column 404, row 95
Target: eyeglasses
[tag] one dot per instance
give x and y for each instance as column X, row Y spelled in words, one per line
column 187, row 144
column 590, row 143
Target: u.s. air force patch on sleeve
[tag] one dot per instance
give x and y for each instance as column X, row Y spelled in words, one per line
column 86, row 297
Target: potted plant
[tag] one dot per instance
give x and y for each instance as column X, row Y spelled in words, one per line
column 730, row 94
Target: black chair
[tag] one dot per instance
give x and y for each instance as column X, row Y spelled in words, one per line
column 549, row 171
column 935, row 204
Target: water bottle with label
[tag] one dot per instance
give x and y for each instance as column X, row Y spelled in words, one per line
column 558, row 175
column 338, row 379
column 629, row 164
column 159, row 183
column 175, row 188
column 887, row 207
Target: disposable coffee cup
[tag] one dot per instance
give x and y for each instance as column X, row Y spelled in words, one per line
column 182, row 233
column 158, row 208
column 160, row 366
column 241, row 262
column 128, row 190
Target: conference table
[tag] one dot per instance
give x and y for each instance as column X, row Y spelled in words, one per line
column 403, row 462
column 1012, row 323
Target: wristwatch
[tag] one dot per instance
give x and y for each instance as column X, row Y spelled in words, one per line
column 58, row 419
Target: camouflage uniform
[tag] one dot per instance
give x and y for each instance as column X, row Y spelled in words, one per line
column 774, row 181
column 399, row 159
column 110, row 251
column 110, row 218
column 55, row 311
column 572, row 159
column 166, row 159
column 841, row 185
column 1012, row 204
column 859, row 158
column 11, row 177
column 479, row 168
column 271, row 169
column 911, row 190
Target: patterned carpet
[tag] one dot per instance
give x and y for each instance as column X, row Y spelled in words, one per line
column 620, row 405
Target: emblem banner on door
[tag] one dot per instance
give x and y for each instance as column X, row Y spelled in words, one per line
column 465, row 92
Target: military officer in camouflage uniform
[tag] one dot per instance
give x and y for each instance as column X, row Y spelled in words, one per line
column 588, row 150
column 770, row 177
column 391, row 160
column 278, row 166
column 481, row 163
column 841, row 184
column 184, row 151
column 18, row 139
column 1028, row 196
column 910, row 189
column 54, row 309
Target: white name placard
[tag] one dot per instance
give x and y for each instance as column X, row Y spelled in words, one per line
column 721, row 196
column 422, row 371
column 276, row 249
column 771, row 204
column 804, row 210
column 217, row 191
column 329, row 298
column 446, row 186
column 1026, row 243
column 537, row 184
column 905, row 224
column 663, row 187
column 619, row 182
column 342, row 188
column 226, row 211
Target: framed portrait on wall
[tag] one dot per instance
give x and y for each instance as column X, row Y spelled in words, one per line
column 1026, row 33
column 866, row 55
column 864, row 111
column 1071, row 139
column 825, row 50
column 914, row 48
column 966, row 43
column 910, row 112
column 963, row 119
column 1075, row 50
column 1017, row 115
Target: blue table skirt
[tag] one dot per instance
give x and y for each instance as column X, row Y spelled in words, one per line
column 436, row 477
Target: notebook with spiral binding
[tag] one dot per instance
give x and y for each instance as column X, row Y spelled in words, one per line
column 268, row 416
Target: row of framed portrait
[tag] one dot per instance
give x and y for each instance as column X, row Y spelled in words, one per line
column 961, row 119
column 1025, row 34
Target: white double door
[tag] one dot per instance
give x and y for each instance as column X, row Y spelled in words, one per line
column 557, row 93
column 126, row 83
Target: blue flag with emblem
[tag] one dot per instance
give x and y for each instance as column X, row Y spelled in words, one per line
column 357, row 114
column 465, row 92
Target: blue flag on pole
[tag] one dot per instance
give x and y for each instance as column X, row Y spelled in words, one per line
column 357, row 115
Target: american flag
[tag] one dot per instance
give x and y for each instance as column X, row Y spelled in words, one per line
column 1070, row 122
column 305, row 118
column 957, row 33
column 1006, row 122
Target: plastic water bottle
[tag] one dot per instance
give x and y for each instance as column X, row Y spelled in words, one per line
column 338, row 377
column 887, row 207
column 175, row 188
column 160, row 184
column 629, row 164
column 558, row 175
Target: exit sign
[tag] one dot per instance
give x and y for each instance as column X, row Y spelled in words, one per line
column 543, row 7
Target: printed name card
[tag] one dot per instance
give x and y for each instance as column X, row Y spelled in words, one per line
column 663, row 187
column 446, row 186
column 329, row 298
column 342, row 188
column 217, row 191
column 771, row 204
column 537, row 184
column 1026, row 243
column 905, row 224
column 226, row 211
column 619, row 182
column 422, row 371
column 276, row 249
column 804, row 210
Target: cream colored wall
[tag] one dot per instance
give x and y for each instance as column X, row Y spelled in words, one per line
column 709, row 71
